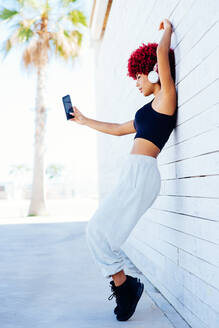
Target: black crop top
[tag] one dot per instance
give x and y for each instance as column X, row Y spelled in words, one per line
column 153, row 126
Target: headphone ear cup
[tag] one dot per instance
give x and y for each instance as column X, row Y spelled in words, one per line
column 153, row 77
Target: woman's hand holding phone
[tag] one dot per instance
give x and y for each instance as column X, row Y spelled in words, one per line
column 78, row 116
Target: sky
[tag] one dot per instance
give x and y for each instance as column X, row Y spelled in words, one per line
column 67, row 143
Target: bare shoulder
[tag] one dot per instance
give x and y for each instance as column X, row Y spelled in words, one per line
column 167, row 103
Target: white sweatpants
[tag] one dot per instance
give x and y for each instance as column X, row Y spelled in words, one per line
column 137, row 188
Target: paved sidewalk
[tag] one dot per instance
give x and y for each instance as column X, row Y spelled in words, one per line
column 48, row 279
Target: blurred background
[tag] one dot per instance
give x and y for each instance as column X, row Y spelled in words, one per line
column 70, row 148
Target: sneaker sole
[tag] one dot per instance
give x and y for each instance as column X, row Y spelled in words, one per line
column 132, row 310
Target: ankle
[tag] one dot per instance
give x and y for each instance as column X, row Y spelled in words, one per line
column 119, row 281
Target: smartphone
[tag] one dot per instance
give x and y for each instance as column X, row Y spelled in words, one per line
column 68, row 106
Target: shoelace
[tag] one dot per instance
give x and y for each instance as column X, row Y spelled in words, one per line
column 113, row 294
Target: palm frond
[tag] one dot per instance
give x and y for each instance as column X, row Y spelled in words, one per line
column 6, row 14
column 36, row 32
column 25, row 33
column 22, row 34
column 32, row 3
column 36, row 53
column 67, row 44
column 76, row 35
column 66, row 3
column 9, row 43
column 77, row 17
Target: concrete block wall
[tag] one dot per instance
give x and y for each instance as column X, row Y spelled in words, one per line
column 176, row 242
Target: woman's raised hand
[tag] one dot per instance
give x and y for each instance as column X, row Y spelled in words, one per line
column 78, row 117
column 165, row 23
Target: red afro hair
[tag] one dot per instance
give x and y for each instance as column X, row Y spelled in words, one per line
column 143, row 59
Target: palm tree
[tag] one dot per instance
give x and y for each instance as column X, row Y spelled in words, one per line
column 43, row 29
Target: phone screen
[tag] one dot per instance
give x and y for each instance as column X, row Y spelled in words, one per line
column 68, row 106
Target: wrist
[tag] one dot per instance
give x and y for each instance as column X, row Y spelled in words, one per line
column 168, row 27
column 86, row 120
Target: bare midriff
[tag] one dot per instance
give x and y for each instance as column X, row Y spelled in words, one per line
column 144, row 147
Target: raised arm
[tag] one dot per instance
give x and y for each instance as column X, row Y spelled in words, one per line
column 116, row 129
column 105, row 127
column 166, row 80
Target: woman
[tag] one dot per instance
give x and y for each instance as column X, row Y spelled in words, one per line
column 153, row 67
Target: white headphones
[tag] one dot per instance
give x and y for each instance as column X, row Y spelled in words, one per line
column 153, row 76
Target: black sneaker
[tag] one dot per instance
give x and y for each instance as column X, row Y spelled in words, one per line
column 127, row 296
column 113, row 284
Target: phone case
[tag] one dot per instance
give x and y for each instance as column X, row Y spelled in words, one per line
column 68, row 106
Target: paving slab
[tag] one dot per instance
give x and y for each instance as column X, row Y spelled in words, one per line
column 48, row 279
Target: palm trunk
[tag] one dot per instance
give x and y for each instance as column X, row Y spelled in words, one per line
column 37, row 204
